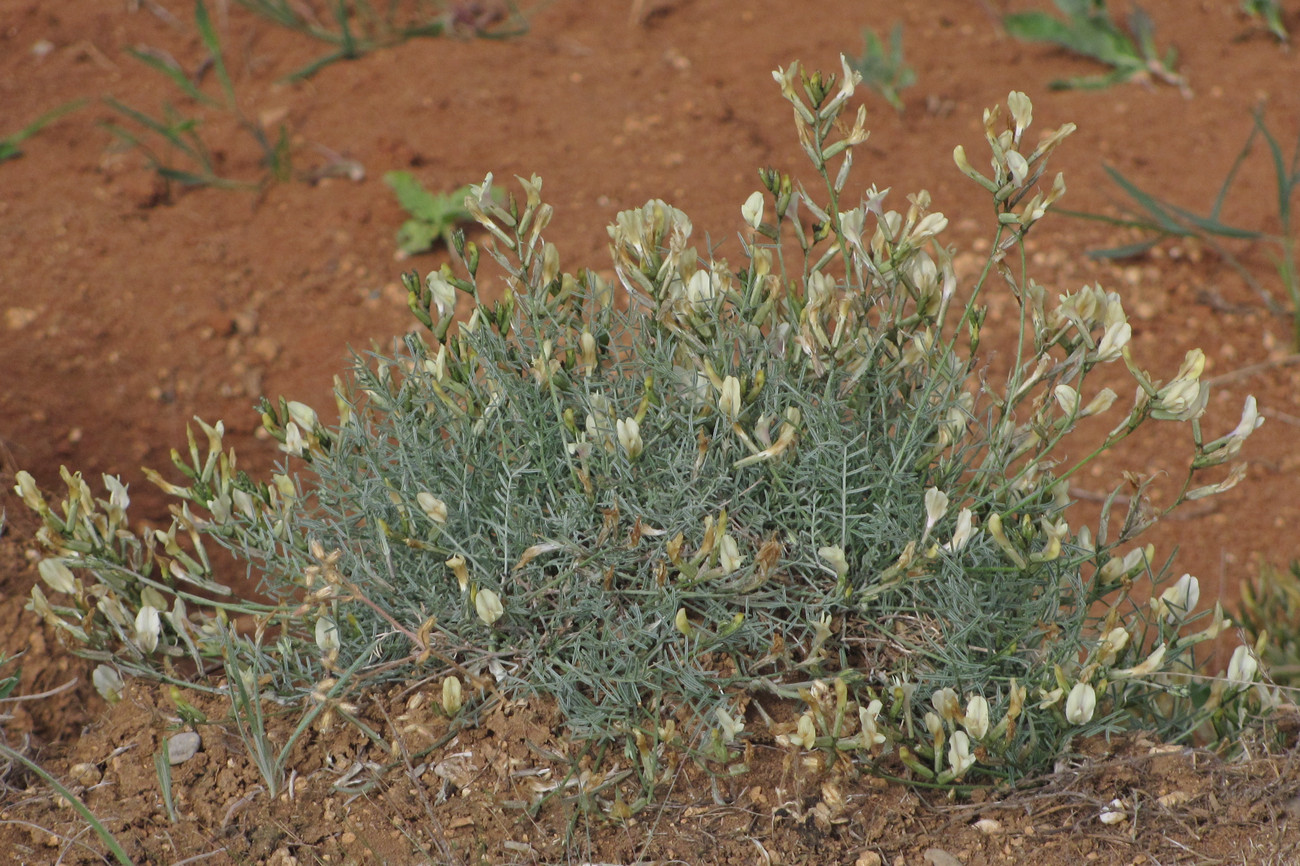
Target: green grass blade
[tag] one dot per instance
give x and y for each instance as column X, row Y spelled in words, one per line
column 174, row 74
column 212, row 42
column 162, row 764
column 72, row 800
column 347, row 42
column 279, row 13
column 316, row 66
column 1286, row 180
column 1148, row 202
column 1127, row 251
column 1177, row 220
column 172, row 134
column 9, row 145
column 1232, row 173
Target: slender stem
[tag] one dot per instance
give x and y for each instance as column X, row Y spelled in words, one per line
column 72, row 800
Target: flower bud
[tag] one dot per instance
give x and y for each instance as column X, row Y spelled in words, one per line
column 936, row 503
column 867, row 716
column 629, row 436
column 683, row 622
column 806, row 735
column 293, row 442
column 729, row 398
column 433, row 507
column 108, row 682
column 327, row 635
column 752, row 210
column 834, row 556
column 1103, row 401
column 1111, row 646
column 488, row 605
column 587, row 346
column 1113, row 341
column 1180, row 599
column 26, row 488
column 457, row 566
column 1081, row 704
column 443, row 292
column 451, row 695
column 1022, row 112
column 960, row 758
column 148, row 626
column 1242, row 667
column 303, row 415
column 976, row 721
column 945, row 701
column 1149, row 665
column 729, row 554
column 1067, row 398
column 965, row 529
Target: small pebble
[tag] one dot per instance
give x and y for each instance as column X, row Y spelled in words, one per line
column 181, row 747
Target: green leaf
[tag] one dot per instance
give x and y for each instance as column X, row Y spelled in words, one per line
column 9, row 145
column 1128, row 251
column 1038, row 27
column 174, row 74
column 208, row 34
column 416, row 236
column 418, row 201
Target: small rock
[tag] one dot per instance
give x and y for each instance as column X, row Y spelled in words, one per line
column 183, row 746
column 17, row 318
column 85, row 774
column 940, row 857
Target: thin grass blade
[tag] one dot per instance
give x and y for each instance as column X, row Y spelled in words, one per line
column 72, row 800
column 174, row 74
column 9, row 145
column 208, row 34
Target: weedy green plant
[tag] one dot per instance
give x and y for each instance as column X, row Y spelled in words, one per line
column 1090, row 30
column 179, row 134
column 434, row 216
column 1269, row 613
column 1270, row 12
column 787, row 476
column 9, row 145
column 1165, row 220
column 885, row 71
column 356, row 27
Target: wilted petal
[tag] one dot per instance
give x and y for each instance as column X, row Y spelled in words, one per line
column 108, row 682
column 56, row 573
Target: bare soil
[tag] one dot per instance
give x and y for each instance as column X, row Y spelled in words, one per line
column 130, row 307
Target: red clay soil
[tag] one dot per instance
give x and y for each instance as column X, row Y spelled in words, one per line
column 130, row 306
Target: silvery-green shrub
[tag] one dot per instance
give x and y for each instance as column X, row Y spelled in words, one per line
column 664, row 501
